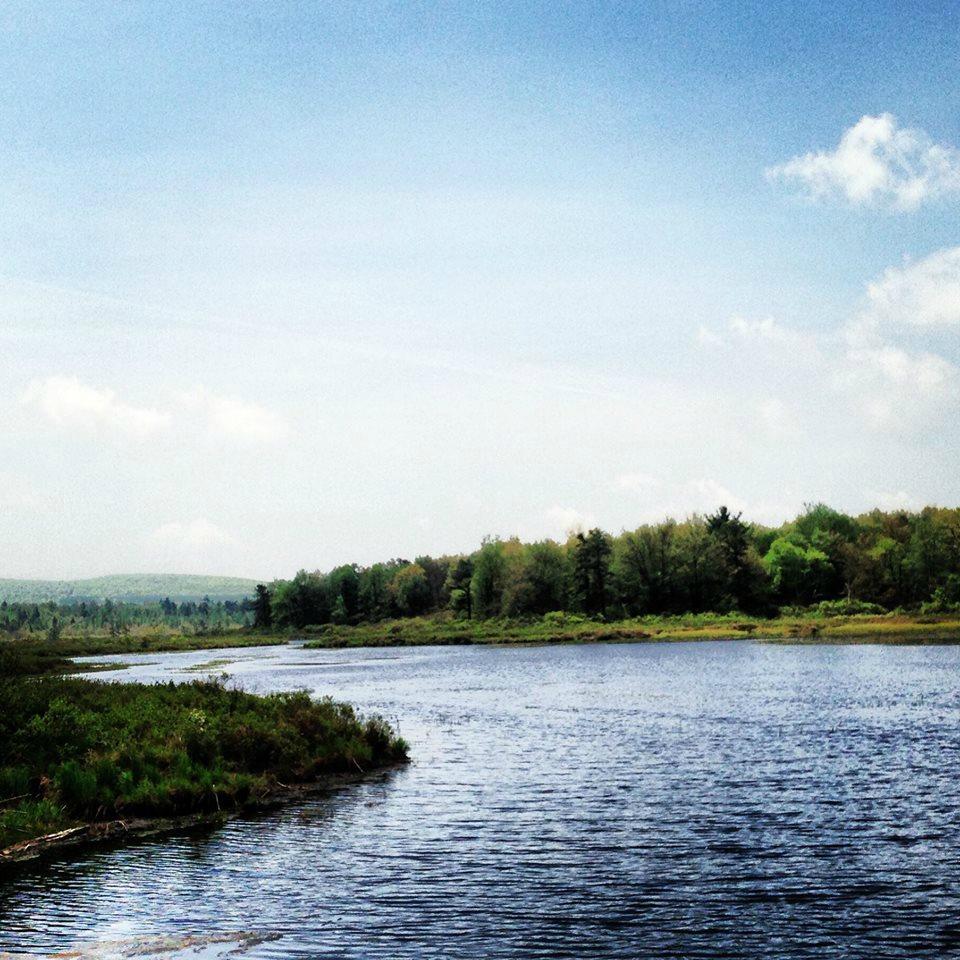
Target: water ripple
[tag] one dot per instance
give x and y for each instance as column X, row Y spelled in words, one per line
column 684, row 800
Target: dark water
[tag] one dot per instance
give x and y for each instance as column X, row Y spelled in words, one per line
column 694, row 800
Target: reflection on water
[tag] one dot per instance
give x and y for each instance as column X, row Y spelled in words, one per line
column 696, row 800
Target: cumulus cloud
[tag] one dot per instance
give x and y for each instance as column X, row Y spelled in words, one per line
column 234, row 418
column 921, row 294
column 877, row 163
column 870, row 363
column 893, row 386
column 70, row 402
column 893, row 379
column 191, row 535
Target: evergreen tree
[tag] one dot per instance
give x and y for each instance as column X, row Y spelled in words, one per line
column 262, row 610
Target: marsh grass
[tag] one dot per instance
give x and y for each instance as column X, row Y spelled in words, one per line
column 74, row 750
column 572, row 628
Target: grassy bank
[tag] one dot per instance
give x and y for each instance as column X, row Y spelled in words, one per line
column 566, row 628
column 54, row 656
column 74, row 751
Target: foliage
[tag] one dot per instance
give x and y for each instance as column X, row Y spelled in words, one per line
column 75, row 750
column 719, row 562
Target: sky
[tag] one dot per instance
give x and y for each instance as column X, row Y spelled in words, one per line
column 288, row 285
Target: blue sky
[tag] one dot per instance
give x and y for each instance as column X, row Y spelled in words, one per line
column 289, row 285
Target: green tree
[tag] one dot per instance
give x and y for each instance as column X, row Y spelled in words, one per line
column 489, row 567
column 459, row 585
column 262, row 609
column 374, row 592
column 536, row 580
column 410, row 589
column 591, row 565
column 301, row 601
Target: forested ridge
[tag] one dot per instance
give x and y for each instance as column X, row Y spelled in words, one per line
column 128, row 588
column 875, row 562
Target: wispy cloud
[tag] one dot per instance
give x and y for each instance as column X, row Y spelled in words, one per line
column 234, row 418
column 70, row 402
column 568, row 521
column 877, row 163
column 194, row 534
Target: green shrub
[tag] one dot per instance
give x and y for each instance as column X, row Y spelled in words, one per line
column 76, row 787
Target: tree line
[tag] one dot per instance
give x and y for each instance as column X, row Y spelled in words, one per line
column 117, row 617
column 719, row 562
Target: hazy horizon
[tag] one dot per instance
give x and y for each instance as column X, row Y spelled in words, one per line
column 290, row 286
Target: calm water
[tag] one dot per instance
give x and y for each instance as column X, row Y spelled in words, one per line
column 696, row 800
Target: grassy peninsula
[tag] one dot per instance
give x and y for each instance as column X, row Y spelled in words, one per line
column 78, row 757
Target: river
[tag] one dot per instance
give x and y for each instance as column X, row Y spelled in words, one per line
column 721, row 800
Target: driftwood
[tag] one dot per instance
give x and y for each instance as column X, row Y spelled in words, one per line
column 23, row 796
column 149, row 826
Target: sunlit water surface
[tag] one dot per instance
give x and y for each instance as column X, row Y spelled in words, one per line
column 717, row 800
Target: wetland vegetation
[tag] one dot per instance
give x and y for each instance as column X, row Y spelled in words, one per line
column 75, row 751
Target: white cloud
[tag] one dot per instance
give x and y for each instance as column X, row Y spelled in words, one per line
column 893, row 500
column 235, row 418
column 195, row 534
column 869, row 364
column 921, row 294
column 707, row 338
column 568, row 521
column 640, row 483
column 705, row 495
column 70, row 402
column 893, row 387
column 766, row 330
column 893, row 381
column 877, row 163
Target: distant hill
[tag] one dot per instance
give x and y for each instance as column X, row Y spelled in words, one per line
column 132, row 588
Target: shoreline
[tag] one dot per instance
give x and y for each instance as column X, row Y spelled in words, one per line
column 98, row 832
column 889, row 629
column 62, row 656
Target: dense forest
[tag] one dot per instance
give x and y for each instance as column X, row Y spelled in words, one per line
column 871, row 563
column 108, row 617
column 823, row 560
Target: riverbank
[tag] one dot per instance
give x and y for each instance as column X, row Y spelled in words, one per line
column 889, row 628
column 37, row 655
column 85, row 760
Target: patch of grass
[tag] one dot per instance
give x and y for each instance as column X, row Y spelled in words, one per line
column 572, row 628
column 75, row 750
column 85, row 646
column 210, row 665
column 36, row 656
